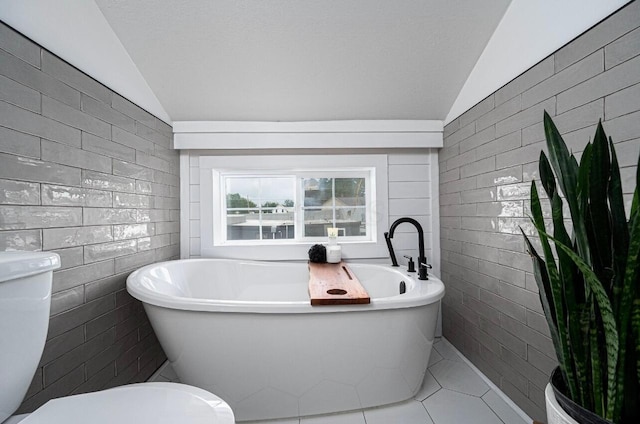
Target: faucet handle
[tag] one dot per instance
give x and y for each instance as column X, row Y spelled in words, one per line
column 422, row 270
column 411, row 266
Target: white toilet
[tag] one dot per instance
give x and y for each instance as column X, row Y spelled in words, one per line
column 25, row 299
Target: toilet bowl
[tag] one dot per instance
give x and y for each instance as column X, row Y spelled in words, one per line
column 25, row 299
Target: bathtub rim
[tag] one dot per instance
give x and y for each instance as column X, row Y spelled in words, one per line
column 423, row 293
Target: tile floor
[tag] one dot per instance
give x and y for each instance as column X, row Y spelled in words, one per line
column 452, row 393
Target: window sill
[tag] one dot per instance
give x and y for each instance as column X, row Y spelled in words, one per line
column 293, row 251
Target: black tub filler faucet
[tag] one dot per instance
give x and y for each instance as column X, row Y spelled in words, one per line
column 422, row 260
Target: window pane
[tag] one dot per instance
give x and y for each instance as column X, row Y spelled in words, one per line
column 260, row 207
column 350, row 192
column 278, row 219
column 318, row 191
column 276, row 230
column 242, row 192
column 316, row 221
column 277, row 206
column 353, row 220
column 243, row 225
column 252, row 192
column 277, row 190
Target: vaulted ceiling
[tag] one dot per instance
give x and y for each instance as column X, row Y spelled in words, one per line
column 291, row 60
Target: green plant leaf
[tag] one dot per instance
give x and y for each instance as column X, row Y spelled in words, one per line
column 585, row 383
column 633, row 387
column 544, row 286
column 631, row 404
column 557, row 295
column 547, row 178
column 572, row 287
column 619, row 229
column 566, row 170
column 583, row 177
column 544, row 290
column 599, row 233
column 629, row 296
column 599, row 399
column 636, row 332
column 635, row 205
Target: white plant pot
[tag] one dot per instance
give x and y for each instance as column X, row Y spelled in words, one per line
column 555, row 414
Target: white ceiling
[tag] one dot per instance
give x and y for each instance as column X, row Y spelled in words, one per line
column 293, row 60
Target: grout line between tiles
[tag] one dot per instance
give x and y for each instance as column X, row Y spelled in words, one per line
column 425, row 407
column 462, row 393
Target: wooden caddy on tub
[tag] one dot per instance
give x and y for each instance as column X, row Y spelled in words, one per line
column 335, row 284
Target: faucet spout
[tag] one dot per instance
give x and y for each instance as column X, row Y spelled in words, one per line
column 392, row 254
column 422, row 260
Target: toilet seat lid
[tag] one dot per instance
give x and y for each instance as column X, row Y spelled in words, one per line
column 157, row 403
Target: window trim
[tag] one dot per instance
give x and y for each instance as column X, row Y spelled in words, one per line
column 213, row 167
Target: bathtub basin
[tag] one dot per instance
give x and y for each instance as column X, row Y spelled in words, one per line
column 246, row 331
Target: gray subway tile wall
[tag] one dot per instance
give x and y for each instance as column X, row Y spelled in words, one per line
column 492, row 311
column 91, row 176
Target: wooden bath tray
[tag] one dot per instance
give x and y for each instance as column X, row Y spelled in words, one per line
column 335, row 284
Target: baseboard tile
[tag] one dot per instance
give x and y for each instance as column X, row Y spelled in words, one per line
column 155, row 375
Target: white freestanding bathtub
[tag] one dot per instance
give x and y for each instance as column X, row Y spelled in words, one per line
column 246, row 331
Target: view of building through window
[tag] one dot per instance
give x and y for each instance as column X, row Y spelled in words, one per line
column 334, row 202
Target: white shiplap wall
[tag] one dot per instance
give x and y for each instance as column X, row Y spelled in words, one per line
column 413, row 185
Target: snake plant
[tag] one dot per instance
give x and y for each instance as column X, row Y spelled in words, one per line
column 589, row 276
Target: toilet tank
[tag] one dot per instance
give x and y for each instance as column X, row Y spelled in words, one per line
column 25, row 299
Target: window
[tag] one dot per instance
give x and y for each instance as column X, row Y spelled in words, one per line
column 281, row 205
column 274, row 207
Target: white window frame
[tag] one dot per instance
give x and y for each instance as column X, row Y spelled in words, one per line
column 297, row 176
column 213, row 169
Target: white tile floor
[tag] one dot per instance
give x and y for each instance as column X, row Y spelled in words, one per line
column 452, row 393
